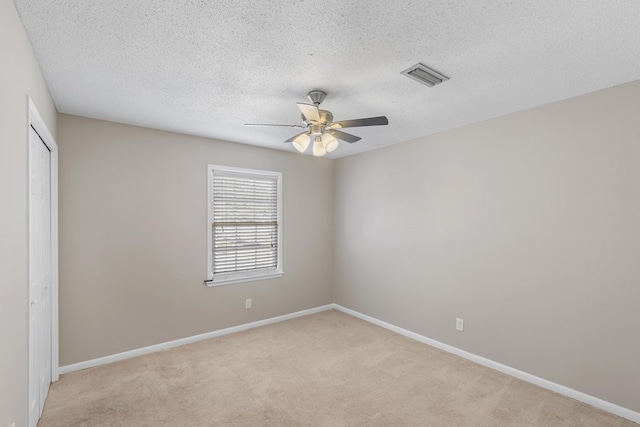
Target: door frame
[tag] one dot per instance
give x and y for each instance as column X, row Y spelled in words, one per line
column 36, row 121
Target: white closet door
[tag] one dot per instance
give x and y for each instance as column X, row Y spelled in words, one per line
column 40, row 277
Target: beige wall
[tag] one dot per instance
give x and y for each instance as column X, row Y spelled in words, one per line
column 19, row 76
column 526, row 226
column 133, row 206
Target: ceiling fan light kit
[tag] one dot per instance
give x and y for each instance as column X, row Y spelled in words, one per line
column 301, row 142
column 321, row 128
column 318, row 147
column 330, row 142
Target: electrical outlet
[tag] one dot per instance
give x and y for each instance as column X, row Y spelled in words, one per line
column 460, row 325
column 247, row 303
column 12, row 425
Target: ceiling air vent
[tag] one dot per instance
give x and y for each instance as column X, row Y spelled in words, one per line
column 425, row 75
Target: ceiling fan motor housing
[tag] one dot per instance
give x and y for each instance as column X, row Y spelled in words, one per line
column 326, row 117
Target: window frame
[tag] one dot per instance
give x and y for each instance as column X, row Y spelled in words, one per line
column 245, row 276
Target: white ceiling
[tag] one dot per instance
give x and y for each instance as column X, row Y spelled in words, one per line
column 206, row 68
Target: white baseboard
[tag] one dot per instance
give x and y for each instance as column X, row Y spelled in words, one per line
column 566, row 391
column 163, row 346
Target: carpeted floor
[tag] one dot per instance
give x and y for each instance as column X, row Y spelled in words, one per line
column 327, row 369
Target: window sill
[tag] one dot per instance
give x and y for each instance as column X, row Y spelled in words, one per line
column 241, row 279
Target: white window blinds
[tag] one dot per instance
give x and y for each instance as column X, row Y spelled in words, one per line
column 245, row 223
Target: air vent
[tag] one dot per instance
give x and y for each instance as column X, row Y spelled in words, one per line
column 425, row 75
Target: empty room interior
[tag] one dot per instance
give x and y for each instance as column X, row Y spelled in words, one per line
column 332, row 213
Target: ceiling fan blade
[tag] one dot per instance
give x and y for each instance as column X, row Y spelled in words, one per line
column 295, row 136
column 270, row 125
column 344, row 136
column 309, row 111
column 370, row 121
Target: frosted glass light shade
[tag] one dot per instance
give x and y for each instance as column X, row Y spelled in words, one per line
column 329, row 142
column 318, row 147
column 301, row 142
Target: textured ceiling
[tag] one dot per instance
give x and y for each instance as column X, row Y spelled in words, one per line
column 205, row 68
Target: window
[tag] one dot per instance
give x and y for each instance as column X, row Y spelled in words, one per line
column 245, row 226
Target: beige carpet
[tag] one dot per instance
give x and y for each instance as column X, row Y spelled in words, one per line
column 327, row 369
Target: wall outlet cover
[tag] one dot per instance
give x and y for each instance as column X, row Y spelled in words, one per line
column 460, row 324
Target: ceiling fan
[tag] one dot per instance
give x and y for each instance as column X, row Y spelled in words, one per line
column 320, row 127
